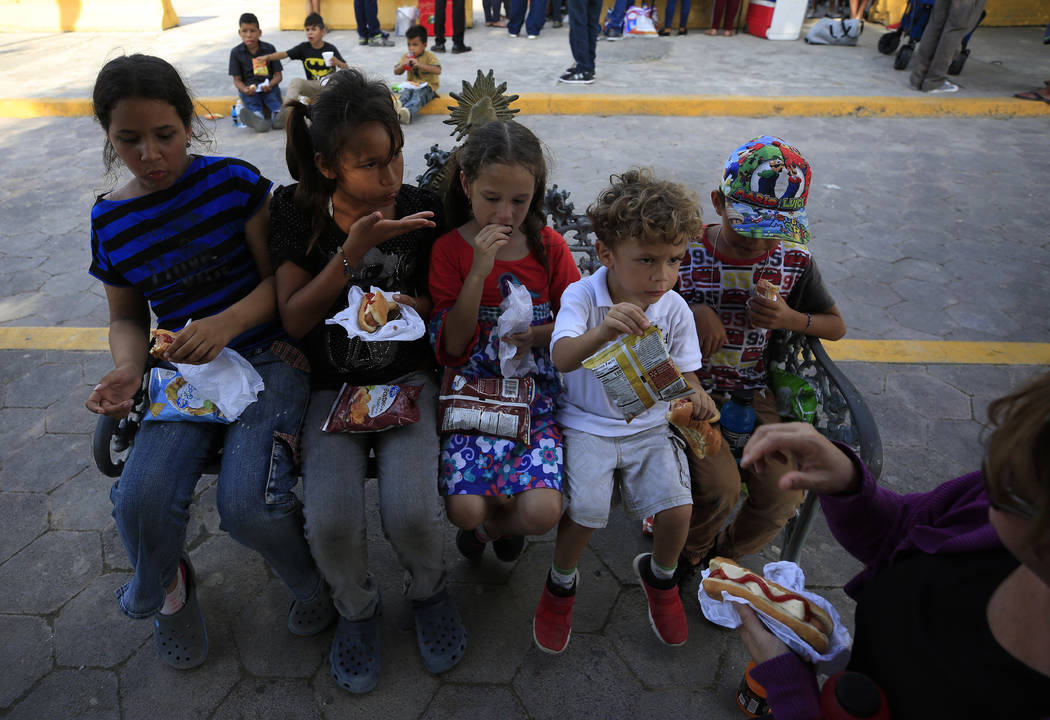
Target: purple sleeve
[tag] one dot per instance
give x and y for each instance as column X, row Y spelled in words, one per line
column 791, row 687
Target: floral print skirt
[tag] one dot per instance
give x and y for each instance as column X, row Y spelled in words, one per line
column 487, row 465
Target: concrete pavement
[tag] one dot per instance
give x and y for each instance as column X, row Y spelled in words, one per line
column 925, row 229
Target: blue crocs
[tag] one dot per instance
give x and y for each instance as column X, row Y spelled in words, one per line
column 355, row 654
column 439, row 630
column 182, row 638
column 309, row 617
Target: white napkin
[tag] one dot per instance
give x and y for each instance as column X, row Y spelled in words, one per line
column 515, row 317
column 229, row 381
column 407, row 327
column 790, row 575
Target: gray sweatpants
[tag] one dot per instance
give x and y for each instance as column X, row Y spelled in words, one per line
column 950, row 21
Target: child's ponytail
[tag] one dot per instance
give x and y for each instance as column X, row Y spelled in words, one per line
column 347, row 101
column 501, row 142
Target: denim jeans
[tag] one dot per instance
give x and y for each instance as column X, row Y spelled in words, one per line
column 366, row 13
column 255, row 103
column 414, row 99
column 669, row 15
column 256, row 504
column 533, row 21
column 334, row 475
column 584, row 19
column 615, row 21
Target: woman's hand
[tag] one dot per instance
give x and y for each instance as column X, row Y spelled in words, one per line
column 422, row 305
column 760, row 643
column 199, row 342
column 710, row 329
column 770, row 314
column 821, row 467
column 115, row 393
column 487, row 244
column 374, row 229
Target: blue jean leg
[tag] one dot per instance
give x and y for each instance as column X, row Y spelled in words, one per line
column 152, row 497
column 255, row 497
column 366, row 13
column 669, row 14
column 270, row 100
column 414, row 99
column 534, row 19
column 584, row 18
column 619, row 9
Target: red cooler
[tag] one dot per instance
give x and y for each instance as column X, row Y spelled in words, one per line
column 759, row 16
column 426, row 17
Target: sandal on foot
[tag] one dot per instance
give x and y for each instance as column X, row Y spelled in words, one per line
column 182, row 638
column 439, row 631
column 354, row 658
column 309, row 617
column 664, row 33
column 1032, row 95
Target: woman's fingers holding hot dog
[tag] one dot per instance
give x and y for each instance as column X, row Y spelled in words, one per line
column 760, row 643
column 820, row 466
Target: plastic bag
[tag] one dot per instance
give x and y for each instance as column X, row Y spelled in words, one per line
column 835, row 31
column 796, row 399
column 172, row 399
column 229, row 381
column 406, row 18
column 489, row 406
column 515, row 317
column 638, row 20
column 372, row 408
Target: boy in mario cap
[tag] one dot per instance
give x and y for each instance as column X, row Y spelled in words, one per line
column 762, row 235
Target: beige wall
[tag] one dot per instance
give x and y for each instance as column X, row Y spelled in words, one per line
column 86, row 15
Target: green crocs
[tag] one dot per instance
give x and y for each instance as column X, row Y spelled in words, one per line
column 182, row 638
column 439, row 631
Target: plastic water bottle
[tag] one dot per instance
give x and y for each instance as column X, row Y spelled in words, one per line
column 852, row 696
column 235, row 112
column 738, row 421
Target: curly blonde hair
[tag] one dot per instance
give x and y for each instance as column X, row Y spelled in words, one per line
column 637, row 205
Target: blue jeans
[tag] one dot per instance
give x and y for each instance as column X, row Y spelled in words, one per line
column 669, row 15
column 414, row 99
column 584, row 21
column 492, row 10
column 151, row 499
column 271, row 100
column 334, row 474
column 615, row 20
column 533, row 21
column 366, row 13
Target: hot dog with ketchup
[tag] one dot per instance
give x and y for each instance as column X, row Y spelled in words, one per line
column 805, row 618
column 374, row 312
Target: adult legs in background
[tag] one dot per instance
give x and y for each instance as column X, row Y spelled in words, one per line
column 950, row 21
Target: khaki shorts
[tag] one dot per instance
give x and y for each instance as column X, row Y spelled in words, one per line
column 647, row 471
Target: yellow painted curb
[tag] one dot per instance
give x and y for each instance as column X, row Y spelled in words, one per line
column 921, row 352
column 660, row 105
column 874, row 351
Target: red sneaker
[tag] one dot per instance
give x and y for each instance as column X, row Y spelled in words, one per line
column 666, row 614
column 552, row 624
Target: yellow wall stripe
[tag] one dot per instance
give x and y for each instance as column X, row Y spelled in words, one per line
column 666, row 105
column 917, row 352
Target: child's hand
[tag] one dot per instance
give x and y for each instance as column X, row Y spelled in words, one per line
column 422, row 305
column 769, row 314
column 413, row 61
column 373, row 229
column 703, row 406
column 524, row 341
column 624, row 318
column 487, row 244
column 249, row 89
column 199, row 342
column 710, row 329
column 115, row 393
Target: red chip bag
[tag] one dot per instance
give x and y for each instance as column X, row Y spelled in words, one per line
column 486, row 406
column 373, row 408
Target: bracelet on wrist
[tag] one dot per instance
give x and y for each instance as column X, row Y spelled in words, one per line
column 809, row 321
column 349, row 271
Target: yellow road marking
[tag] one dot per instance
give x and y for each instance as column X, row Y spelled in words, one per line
column 665, row 105
column 918, row 352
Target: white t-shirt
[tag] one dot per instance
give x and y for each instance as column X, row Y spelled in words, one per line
column 584, row 405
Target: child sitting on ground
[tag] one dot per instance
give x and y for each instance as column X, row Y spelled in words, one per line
column 762, row 236
column 643, row 226
column 497, row 489
column 319, row 58
column 256, row 77
column 422, row 68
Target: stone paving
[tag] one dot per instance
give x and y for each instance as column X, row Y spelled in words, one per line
column 924, row 229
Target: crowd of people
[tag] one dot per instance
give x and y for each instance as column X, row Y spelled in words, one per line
column 225, row 260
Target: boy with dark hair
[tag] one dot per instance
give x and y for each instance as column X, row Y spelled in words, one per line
column 422, row 69
column 762, row 235
column 256, row 77
column 643, row 226
column 319, row 58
